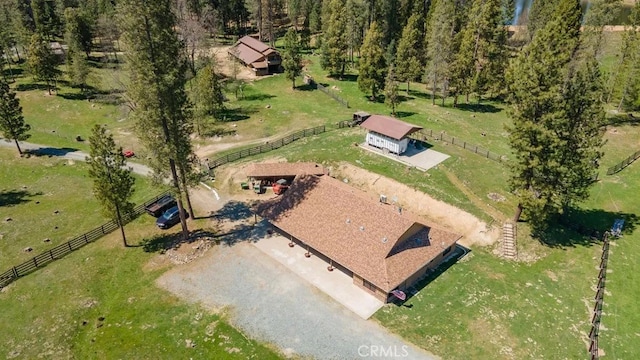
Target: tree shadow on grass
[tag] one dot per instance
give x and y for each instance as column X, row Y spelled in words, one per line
column 421, row 94
column 50, row 151
column 73, row 96
column 458, row 253
column 306, row 87
column 258, row 97
column 580, row 227
column 349, row 77
column 622, row 119
column 402, row 114
column 34, row 86
column 12, row 72
column 480, row 108
column 163, row 242
column 237, row 114
column 15, row 197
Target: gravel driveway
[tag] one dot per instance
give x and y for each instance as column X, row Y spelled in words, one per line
column 271, row 304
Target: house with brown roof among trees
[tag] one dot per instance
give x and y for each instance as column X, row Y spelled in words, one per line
column 258, row 56
column 381, row 246
column 388, row 133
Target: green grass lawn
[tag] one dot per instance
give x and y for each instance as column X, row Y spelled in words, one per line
column 47, row 198
column 482, row 307
column 58, row 118
column 54, row 312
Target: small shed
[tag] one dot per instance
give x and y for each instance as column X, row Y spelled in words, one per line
column 269, row 173
column 388, row 133
column 359, row 117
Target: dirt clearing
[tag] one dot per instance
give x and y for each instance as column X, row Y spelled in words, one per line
column 441, row 214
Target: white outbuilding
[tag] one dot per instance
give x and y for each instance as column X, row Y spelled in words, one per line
column 388, row 133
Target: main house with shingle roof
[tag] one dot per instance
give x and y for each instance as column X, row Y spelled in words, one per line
column 258, row 56
column 382, row 246
column 388, row 134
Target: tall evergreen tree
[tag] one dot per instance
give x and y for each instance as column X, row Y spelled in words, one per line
column 291, row 56
column 372, row 69
column 208, row 89
column 555, row 112
column 440, row 46
column 46, row 18
column 112, row 180
column 12, row 123
column 355, row 25
column 540, row 13
column 391, row 97
column 481, row 60
column 78, row 33
column 158, row 99
column 78, row 69
column 334, row 44
column 42, row 63
column 409, row 55
column 625, row 79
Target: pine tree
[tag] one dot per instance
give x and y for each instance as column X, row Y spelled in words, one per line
column 391, row 97
column 305, row 35
column 42, row 63
column 372, row 69
column 600, row 14
column 208, row 89
column 625, row 80
column 46, row 19
column 439, row 46
column 540, row 13
column 158, row 99
column 78, row 33
column 555, row 111
column 409, row 55
column 112, row 180
column 291, row 57
column 334, row 45
column 12, row 123
column 480, row 62
column 355, row 26
column 78, row 69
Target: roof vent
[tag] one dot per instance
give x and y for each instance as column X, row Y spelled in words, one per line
column 383, row 199
column 361, row 228
column 348, row 221
column 384, row 240
column 399, row 210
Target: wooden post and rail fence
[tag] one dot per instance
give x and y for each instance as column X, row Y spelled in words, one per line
column 66, row 248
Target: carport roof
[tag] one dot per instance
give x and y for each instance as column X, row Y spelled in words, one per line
column 376, row 241
column 389, row 126
column 284, row 169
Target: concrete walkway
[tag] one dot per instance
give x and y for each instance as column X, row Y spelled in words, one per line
column 335, row 283
column 71, row 154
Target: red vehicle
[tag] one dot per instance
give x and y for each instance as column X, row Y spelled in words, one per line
column 128, row 153
column 280, row 186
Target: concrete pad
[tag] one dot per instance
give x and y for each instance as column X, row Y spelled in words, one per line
column 336, row 284
column 422, row 159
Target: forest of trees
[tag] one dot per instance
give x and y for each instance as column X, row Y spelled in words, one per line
column 547, row 71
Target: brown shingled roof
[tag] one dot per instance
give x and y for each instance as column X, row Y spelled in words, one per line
column 251, row 51
column 285, row 169
column 355, row 230
column 389, row 126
